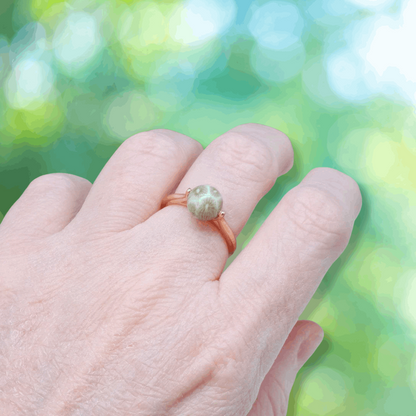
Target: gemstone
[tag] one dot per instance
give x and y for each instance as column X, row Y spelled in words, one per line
column 205, row 202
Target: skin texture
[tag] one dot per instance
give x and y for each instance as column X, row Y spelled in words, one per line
column 110, row 306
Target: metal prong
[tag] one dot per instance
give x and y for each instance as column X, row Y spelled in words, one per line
column 187, row 192
column 221, row 214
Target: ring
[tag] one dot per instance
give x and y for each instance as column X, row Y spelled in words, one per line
column 205, row 203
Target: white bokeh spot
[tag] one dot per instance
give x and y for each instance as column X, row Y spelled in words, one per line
column 390, row 54
column 345, row 75
column 77, row 41
column 29, row 84
column 378, row 58
column 372, row 4
column 276, row 25
column 198, row 21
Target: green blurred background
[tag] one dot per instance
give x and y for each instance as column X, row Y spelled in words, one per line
column 338, row 77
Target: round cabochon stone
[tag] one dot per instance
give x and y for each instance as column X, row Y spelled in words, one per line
column 205, row 202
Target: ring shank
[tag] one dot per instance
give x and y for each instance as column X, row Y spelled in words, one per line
column 219, row 222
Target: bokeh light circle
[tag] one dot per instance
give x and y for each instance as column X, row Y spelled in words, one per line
column 198, row 21
column 278, row 66
column 29, row 84
column 276, row 25
column 77, row 41
column 324, row 392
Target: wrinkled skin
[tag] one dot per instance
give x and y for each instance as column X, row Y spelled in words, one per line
column 111, row 306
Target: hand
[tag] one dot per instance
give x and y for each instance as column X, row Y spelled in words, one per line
column 112, row 306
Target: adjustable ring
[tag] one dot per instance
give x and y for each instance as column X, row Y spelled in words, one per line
column 205, row 202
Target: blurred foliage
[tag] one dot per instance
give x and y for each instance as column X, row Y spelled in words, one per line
column 79, row 77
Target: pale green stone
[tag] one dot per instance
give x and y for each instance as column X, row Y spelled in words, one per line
column 205, row 202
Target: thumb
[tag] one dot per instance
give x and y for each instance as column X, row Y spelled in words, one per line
column 273, row 397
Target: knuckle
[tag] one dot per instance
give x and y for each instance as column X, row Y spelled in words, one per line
column 343, row 186
column 247, row 158
column 57, row 180
column 317, row 215
column 158, row 145
column 182, row 137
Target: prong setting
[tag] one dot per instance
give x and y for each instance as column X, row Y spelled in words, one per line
column 204, row 202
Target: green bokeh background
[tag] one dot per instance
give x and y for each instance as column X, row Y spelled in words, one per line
column 140, row 65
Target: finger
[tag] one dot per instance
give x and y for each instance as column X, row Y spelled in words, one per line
column 46, row 206
column 131, row 185
column 243, row 165
column 272, row 280
column 273, row 396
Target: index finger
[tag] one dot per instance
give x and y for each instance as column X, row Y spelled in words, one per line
column 269, row 284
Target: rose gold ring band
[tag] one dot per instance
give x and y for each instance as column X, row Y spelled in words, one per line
column 219, row 222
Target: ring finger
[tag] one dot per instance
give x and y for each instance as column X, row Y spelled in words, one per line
column 243, row 165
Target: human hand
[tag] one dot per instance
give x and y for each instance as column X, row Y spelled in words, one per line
column 112, row 306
